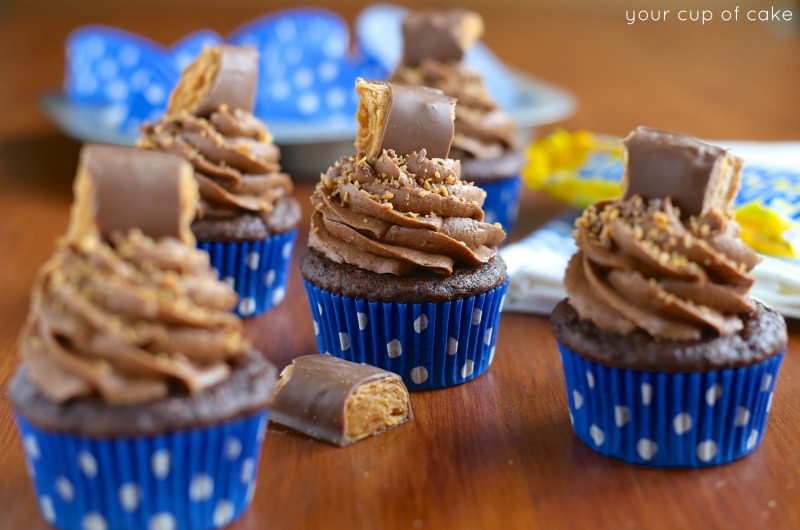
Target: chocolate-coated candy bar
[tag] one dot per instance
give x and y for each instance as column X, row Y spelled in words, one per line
column 698, row 177
column 222, row 75
column 440, row 35
column 339, row 401
column 122, row 188
column 403, row 118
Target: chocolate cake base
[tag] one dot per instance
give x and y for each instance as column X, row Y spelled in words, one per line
column 349, row 280
column 249, row 227
column 763, row 336
column 481, row 170
column 248, row 389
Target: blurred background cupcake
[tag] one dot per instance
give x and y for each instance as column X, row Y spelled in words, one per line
column 667, row 360
column 138, row 400
column 434, row 44
column 246, row 217
column 401, row 270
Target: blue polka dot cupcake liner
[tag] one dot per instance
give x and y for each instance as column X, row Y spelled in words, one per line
column 256, row 270
column 660, row 419
column 430, row 345
column 195, row 479
column 502, row 201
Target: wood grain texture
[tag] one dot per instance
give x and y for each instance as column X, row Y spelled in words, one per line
column 499, row 451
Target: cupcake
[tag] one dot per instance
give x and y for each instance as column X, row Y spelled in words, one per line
column 434, row 44
column 138, row 400
column 245, row 217
column 401, row 270
column 668, row 362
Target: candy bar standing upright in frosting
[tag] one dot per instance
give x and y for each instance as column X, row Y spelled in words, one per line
column 395, row 223
column 658, row 323
column 245, row 208
column 434, row 45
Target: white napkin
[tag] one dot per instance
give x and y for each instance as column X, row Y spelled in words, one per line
column 536, row 264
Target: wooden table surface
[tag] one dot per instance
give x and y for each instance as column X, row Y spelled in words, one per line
column 499, row 451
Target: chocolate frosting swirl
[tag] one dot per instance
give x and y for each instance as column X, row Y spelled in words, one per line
column 131, row 320
column 236, row 163
column 400, row 214
column 641, row 267
column 482, row 130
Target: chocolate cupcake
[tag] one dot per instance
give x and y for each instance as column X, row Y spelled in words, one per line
column 245, row 217
column 401, row 270
column 434, row 44
column 138, row 400
column 668, row 361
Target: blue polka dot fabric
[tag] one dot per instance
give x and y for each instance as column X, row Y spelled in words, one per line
column 256, row 270
column 191, row 480
column 430, row 345
column 695, row 419
column 502, row 201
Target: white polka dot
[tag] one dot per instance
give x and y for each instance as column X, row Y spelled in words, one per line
column 231, row 281
column 285, row 30
column 65, row 489
column 116, row 90
column 419, row 374
column 452, row 346
column 344, row 341
column 394, row 348
column 487, row 336
column 682, row 423
column 477, row 314
column 223, row 513
column 29, row 468
column 502, row 303
column 247, row 306
column 308, row 103
column 286, row 251
column 646, row 449
column 233, row 448
column 262, row 429
column 303, row 78
column 327, row 70
column 622, row 415
column 107, row 68
column 32, row 447
column 154, row 95
column 140, row 79
column 421, row 323
column 362, row 320
column 201, row 487
column 252, row 260
column 316, row 327
column 707, row 450
column 752, row 440
column 713, row 393
column 769, row 401
column 589, row 379
column 251, row 491
column 87, row 463
column 742, row 416
column 129, row 496
column 128, row 56
column 577, row 399
column 278, row 295
column 335, row 98
column 598, row 437
column 269, row 278
column 319, row 308
column 93, row 521
column 163, row 521
column 248, row 470
column 47, row 509
column 647, row 393
column 160, row 463
column 468, row 368
column 334, row 46
column 766, row 383
column 94, row 47
column 280, row 90
column 571, row 419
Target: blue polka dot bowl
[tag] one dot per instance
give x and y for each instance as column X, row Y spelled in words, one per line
column 659, row 419
column 194, row 479
column 430, row 345
column 256, row 270
column 502, row 200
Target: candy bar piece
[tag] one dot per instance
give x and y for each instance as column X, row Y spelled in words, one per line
column 222, row 75
column 698, row 177
column 403, row 118
column 441, row 35
column 121, row 188
column 338, row 401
